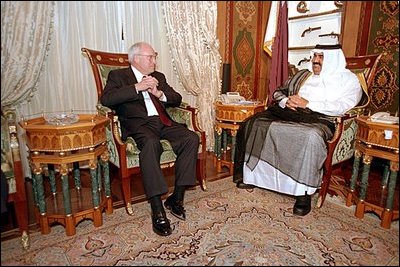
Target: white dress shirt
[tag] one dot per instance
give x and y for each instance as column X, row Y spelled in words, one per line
column 151, row 109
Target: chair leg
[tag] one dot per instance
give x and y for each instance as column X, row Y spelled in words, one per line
column 21, row 208
column 201, row 173
column 126, row 190
column 324, row 188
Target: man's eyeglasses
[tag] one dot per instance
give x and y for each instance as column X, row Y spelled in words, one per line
column 149, row 56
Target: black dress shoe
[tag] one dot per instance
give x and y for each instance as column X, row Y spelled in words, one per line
column 161, row 224
column 302, row 206
column 242, row 185
column 176, row 207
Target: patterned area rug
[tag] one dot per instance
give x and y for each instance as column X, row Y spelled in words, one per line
column 225, row 226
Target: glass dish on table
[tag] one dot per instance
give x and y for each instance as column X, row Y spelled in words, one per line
column 61, row 118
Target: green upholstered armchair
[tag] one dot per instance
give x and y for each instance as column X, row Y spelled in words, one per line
column 341, row 146
column 11, row 166
column 125, row 154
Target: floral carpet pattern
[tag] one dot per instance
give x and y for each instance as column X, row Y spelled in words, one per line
column 224, row 226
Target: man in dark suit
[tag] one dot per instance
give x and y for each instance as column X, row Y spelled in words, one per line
column 139, row 95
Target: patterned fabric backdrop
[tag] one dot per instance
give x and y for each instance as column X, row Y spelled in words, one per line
column 383, row 37
column 245, row 28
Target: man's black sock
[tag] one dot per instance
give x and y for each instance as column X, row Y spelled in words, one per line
column 156, row 204
column 179, row 192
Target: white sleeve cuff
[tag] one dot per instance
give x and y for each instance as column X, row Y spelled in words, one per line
column 163, row 98
column 282, row 103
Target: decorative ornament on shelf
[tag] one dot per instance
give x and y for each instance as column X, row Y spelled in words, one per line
column 302, row 7
column 339, row 4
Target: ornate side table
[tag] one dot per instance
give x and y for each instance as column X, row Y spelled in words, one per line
column 228, row 117
column 59, row 148
column 380, row 140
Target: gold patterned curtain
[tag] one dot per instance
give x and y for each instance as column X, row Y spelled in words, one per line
column 381, row 28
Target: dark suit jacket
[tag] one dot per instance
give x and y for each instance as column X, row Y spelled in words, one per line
column 120, row 95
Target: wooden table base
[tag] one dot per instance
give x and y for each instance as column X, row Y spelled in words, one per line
column 81, row 210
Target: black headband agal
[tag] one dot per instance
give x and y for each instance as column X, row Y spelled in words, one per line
column 325, row 47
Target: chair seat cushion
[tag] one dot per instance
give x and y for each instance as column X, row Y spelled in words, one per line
column 132, row 150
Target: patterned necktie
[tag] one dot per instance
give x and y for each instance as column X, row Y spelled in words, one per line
column 161, row 111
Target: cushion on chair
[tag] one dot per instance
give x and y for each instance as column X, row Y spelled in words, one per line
column 345, row 148
column 359, row 109
column 132, row 150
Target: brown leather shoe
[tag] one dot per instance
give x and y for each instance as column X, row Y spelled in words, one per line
column 161, row 225
column 176, row 207
column 302, row 206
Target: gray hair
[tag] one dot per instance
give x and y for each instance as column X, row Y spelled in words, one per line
column 134, row 50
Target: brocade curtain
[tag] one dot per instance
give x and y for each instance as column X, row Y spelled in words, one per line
column 25, row 39
column 191, row 32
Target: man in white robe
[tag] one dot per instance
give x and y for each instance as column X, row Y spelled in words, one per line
column 267, row 143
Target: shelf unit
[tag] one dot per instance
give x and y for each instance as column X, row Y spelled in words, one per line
column 313, row 23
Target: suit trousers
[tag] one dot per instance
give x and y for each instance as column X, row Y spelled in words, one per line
column 185, row 144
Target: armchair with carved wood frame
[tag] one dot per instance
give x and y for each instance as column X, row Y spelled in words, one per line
column 125, row 154
column 341, row 146
column 11, row 166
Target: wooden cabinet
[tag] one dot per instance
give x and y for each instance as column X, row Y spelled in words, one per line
column 312, row 23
